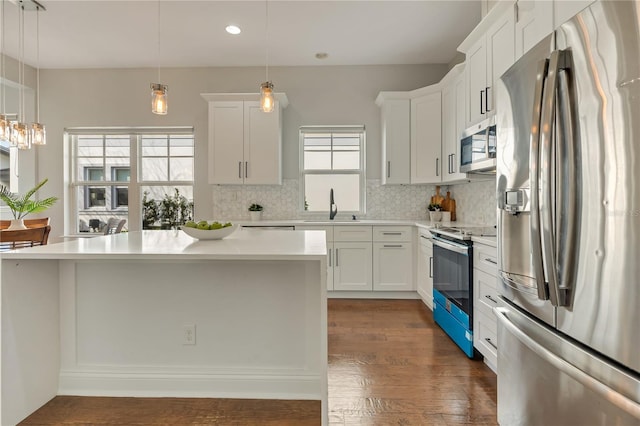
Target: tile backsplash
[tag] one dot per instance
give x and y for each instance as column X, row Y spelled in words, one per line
column 475, row 202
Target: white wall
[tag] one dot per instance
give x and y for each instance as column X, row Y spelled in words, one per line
column 121, row 97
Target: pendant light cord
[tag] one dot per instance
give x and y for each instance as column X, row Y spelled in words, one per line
column 159, row 81
column 4, row 110
column 266, row 8
column 38, row 64
column 21, row 61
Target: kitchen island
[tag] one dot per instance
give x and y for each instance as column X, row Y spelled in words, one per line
column 157, row 313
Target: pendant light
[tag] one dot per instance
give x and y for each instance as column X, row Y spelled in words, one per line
column 37, row 131
column 158, row 90
column 19, row 131
column 266, row 89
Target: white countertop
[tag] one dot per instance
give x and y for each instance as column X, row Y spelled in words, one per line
column 176, row 245
column 322, row 222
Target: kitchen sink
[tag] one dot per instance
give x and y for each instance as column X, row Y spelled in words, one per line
column 333, row 221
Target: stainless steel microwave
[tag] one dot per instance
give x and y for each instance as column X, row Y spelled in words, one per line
column 478, row 147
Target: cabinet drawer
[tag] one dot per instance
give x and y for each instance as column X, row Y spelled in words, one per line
column 486, row 294
column 485, row 258
column 327, row 229
column 487, row 336
column 352, row 233
column 392, row 233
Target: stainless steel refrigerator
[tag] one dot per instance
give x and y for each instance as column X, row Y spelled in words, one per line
column 568, row 187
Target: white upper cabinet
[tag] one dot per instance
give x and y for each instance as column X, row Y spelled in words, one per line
column 534, row 21
column 395, row 120
column 453, row 123
column 490, row 51
column 245, row 144
column 426, row 136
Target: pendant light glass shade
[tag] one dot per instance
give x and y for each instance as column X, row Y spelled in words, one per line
column 38, row 134
column 159, row 98
column 20, row 136
column 5, row 128
column 266, row 97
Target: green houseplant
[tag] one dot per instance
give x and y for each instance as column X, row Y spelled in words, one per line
column 255, row 210
column 435, row 213
column 22, row 205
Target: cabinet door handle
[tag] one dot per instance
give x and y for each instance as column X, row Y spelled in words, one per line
column 453, row 163
column 388, row 169
column 481, row 102
column 392, row 233
column 337, row 258
column 437, row 166
column 491, row 298
column 491, row 260
column 239, row 169
column 431, row 267
column 329, row 257
column 491, row 343
column 392, row 245
column 486, row 99
column 246, row 169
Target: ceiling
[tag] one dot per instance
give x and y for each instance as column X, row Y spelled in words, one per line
column 124, row 34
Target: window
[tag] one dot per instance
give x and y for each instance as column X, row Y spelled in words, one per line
column 120, row 194
column 94, row 196
column 112, row 168
column 332, row 158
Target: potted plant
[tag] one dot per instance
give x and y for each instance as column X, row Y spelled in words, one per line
column 21, row 206
column 255, row 210
column 435, row 213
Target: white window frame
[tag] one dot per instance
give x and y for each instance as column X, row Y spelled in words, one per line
column 361, row 171
column 135, row 183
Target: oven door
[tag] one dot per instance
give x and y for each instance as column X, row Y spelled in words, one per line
column 452, row 271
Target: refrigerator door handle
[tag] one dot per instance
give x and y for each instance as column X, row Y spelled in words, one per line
column 602, row 390
column 547, row 189
column 534, row 173
column 567, row 178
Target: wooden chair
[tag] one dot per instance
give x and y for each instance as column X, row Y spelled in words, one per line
column 29, row 223
column 114, row 226
column 21, row 238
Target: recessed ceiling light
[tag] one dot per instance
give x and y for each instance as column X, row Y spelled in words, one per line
column 321, row 55
column 233, row 29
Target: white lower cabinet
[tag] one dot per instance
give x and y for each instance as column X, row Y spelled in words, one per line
column 424, row 269
column 329, row 236
column 392, row 258
column 352, row 268
column 368, row 258
column 485, row 284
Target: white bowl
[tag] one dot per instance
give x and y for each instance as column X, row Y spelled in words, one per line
column 209, row 234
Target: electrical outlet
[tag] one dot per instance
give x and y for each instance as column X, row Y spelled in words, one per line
column 189, row 334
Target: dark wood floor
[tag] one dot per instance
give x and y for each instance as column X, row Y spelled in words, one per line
column 389, row 364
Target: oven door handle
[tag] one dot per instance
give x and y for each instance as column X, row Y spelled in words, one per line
column 450, row 246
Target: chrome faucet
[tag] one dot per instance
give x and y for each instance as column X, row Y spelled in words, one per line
column 333, row 208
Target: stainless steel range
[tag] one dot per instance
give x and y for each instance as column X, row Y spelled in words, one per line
column 452, row 282
column 465, row 232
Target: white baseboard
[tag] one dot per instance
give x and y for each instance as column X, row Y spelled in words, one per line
column 340, row 294
column 190, row 385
